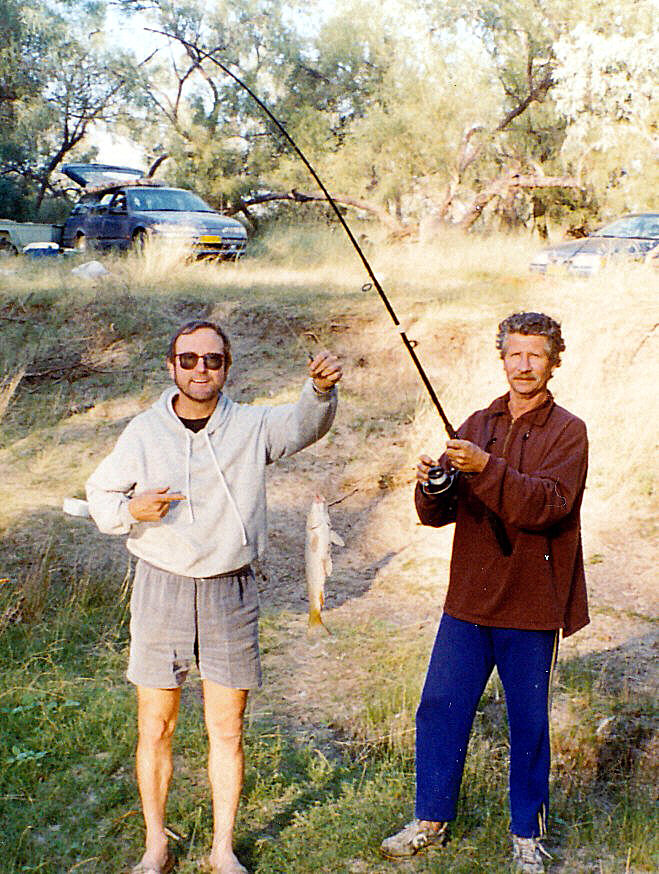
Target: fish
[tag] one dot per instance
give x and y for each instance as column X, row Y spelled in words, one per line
column 318, row 557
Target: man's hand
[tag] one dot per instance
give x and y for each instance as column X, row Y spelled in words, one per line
column 422, row 468
column 325, row 370
column 466, row 456
column 152, row 505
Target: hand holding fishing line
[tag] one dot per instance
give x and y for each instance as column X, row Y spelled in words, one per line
column 325, row 370
column 466, row 456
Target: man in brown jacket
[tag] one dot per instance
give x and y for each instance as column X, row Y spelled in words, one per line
column 518, row 476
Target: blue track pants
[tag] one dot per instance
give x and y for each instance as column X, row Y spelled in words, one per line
column 461, row 662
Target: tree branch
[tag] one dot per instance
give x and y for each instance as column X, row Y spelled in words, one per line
column 506, row 184
column 389, row 221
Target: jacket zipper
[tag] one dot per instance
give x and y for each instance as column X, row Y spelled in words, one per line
column 496, row 522
column 507, row 439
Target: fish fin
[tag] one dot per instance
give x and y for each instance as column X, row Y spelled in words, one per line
column 336, row 538
column 327, row 565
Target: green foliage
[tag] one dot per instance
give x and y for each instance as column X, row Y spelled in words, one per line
column 416, row 109
column 606, row 77
column 56, row 80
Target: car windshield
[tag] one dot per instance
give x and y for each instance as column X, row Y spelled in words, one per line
column 631, row 226
column 165, row 200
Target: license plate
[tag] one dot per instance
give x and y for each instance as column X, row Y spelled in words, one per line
column 209, row 239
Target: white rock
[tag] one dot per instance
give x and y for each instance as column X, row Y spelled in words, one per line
column 90, row 270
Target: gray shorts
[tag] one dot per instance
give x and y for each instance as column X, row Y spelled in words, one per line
column 177, row 622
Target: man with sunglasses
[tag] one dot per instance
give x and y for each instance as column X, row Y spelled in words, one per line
column 186, row 483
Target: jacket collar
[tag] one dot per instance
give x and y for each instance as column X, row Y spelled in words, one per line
column 538, row 416
column 217, row 418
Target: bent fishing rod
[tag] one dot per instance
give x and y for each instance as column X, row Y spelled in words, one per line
column 409, row 345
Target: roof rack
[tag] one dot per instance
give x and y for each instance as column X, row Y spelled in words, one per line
column 114, row 186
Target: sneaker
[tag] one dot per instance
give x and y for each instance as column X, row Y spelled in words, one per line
column 414, row 837
column 527, row 855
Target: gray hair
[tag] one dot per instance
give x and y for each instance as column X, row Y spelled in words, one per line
column 537, row 324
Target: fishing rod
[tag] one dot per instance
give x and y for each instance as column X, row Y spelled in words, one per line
column 409, row 344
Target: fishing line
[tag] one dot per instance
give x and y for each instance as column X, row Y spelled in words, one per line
column 300, row 342
column 409, row 345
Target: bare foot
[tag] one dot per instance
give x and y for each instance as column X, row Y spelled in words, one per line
column 154, row 862
column 226, row 863
column 433, row 826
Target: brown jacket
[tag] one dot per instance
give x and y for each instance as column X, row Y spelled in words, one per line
column 534, row 482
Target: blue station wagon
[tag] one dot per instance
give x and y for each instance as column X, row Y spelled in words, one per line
column 120, row 209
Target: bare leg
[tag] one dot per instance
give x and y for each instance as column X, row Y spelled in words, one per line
column 224, row 709
column 157, row 711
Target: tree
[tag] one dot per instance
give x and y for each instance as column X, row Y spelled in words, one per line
column 21, row 47
column 210, row 127
column 606, row 75
column 56, row 80
column 459, row 111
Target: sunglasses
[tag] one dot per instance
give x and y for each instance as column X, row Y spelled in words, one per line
column 189, row 360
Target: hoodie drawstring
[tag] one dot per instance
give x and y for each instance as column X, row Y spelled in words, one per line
column 188, row 440
column 230, row 498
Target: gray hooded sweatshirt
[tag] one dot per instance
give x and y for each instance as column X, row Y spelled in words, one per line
column 222, row 525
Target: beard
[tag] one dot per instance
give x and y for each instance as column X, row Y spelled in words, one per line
column 197, row 391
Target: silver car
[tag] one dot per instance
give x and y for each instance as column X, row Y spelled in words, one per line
column 631, row 237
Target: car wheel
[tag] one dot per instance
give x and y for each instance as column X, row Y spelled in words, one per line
column 6, row 247
column 81, row 244
column 139, row 240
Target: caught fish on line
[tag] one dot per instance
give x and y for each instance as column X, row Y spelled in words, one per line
column 318, row 557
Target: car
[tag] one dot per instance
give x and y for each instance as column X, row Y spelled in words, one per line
column 16, row 236
column 121, row 209
column 630, row 237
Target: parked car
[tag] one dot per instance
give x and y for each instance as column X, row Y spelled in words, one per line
column 15, row 236
column 630, row 237
column 120, row 209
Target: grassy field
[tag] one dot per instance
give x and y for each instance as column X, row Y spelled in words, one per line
column 329, row 738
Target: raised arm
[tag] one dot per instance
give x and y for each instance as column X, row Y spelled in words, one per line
column 291, row 427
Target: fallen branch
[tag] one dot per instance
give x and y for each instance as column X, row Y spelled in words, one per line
column 505, row 185
column 8, row 389
column 296, row 196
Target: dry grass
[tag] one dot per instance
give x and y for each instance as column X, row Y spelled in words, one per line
column 349, row 698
